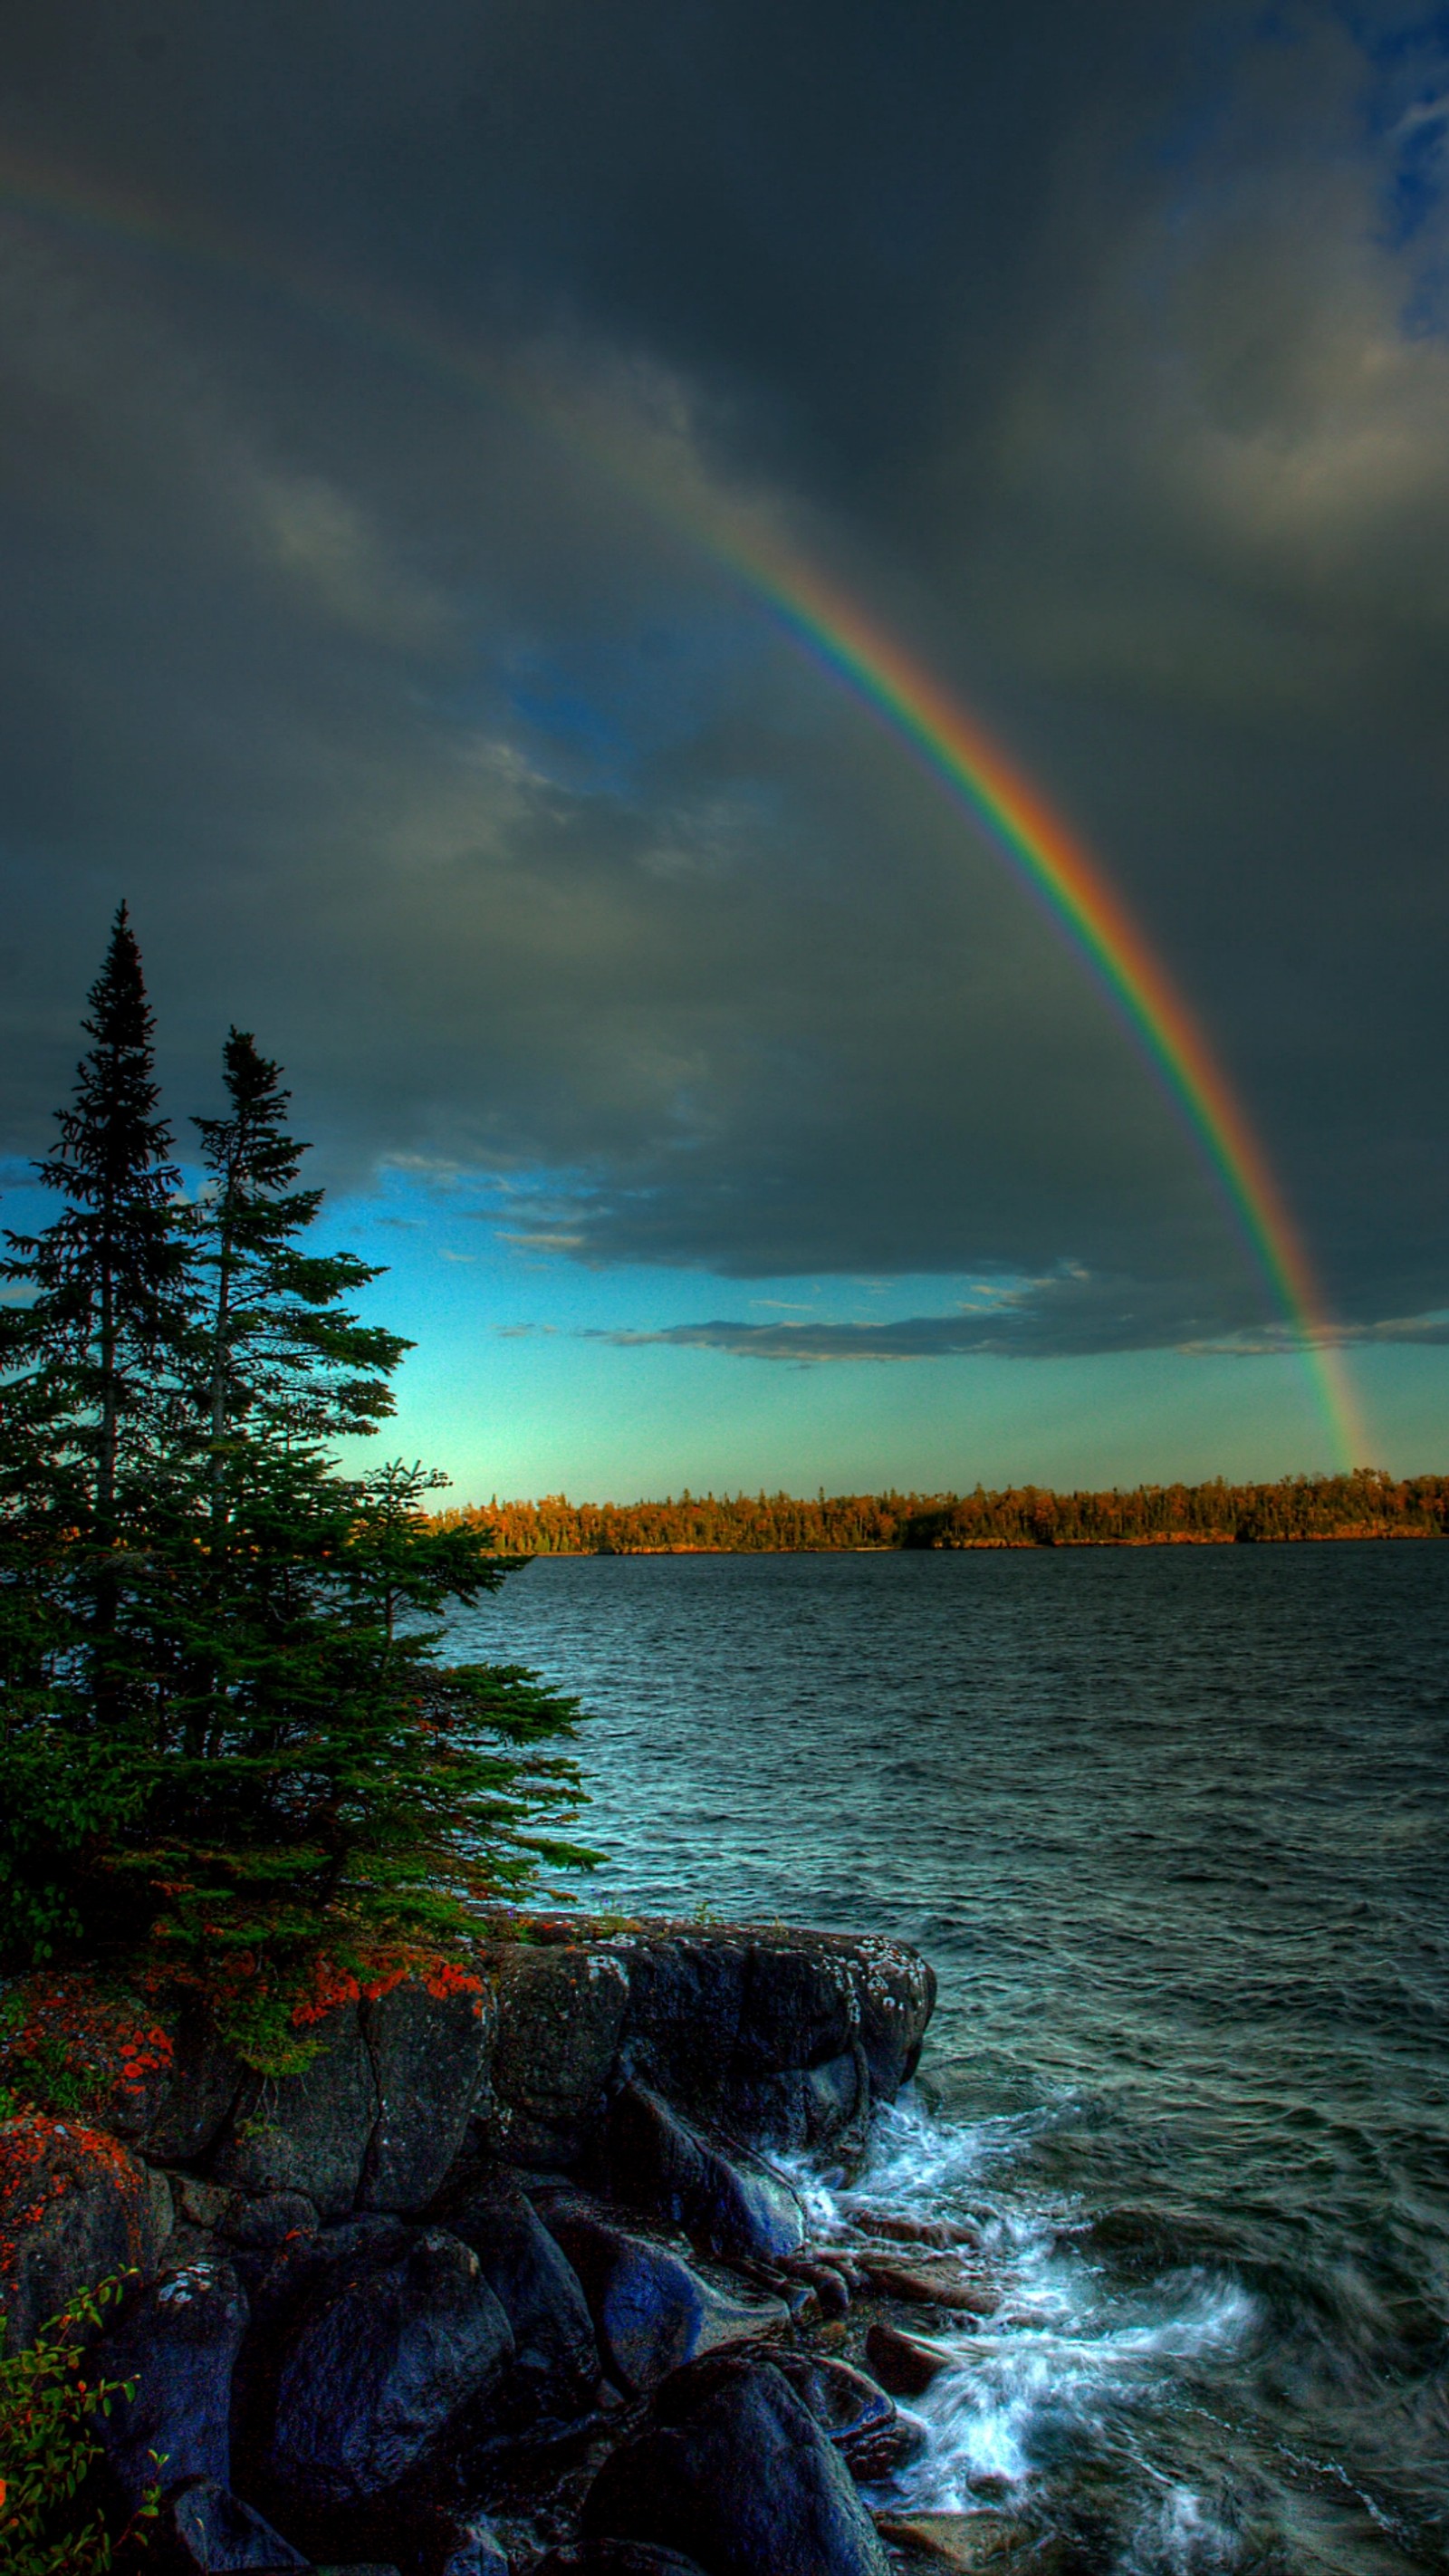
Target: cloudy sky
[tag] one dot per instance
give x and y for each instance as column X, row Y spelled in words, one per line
column 383, row 393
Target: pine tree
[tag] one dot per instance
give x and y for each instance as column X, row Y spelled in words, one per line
column 103, row 1288
column 89, row 1394
column 275, row 1344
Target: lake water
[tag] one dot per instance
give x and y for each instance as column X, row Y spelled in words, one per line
column 1171, row 1825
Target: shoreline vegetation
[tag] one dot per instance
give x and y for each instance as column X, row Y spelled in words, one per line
column 1365, row 1505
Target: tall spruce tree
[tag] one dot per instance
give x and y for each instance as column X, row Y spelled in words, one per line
column 89, row 1342
column 275, row 1345
column 102, row 1292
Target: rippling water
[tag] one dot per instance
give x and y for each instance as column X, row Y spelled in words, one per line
column 1171, row 1825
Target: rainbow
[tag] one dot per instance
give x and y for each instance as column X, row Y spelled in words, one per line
column 835, row 630
column 1051, row 860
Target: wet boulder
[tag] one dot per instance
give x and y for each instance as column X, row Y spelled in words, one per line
column 902, row 2366
column 652, row 2310
column 175, row 2346
column 835, row 2098
column 616, row 2558
column 686, row 2002
column 75, row 2207
column 961, row 2544
column 269, row 2218
column 462, row 2546
column 250, row 2221
column 430, row 2044
column 286, row 2284
column 202, row 2529
column 377, row 2365
column 806, row 2106
column 306, row 2268
column 307, row 2132
column 800, row 2006
column 560, row 2013
column 930, row 2281
column 852, row 2410
column 555, row 2348
column 782, row 2035
column 195, row 2105
column 895, row 1992
column 733, row 2206
column 734, row 2472
column 443, row 2542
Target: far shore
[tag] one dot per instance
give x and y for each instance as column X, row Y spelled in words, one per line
column 1367, row 1504
column 957, row 1547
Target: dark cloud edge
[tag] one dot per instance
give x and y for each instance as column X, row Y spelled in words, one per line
column 927, row 1337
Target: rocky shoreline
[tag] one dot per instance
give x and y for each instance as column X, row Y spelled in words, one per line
column 509, row 2280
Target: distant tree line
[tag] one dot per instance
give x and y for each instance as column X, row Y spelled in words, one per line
column 738, row 1525
column 1368, row 1504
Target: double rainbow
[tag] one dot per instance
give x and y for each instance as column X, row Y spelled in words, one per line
column 837, row 631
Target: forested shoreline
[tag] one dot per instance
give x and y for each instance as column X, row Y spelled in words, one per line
column 1368, row 1504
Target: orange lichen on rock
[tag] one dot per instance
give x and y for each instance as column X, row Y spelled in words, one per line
column 75, row 2207
column 70, row 2043
column 331, row 1984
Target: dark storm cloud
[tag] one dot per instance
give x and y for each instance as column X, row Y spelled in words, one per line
column 1107, row 355
column 1072, row 1313
column 1078, row 1316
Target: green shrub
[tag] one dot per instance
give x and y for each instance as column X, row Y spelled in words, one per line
column 49, row 2403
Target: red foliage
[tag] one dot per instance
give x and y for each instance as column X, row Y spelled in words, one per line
column 331, row 1983
column 75, row 2044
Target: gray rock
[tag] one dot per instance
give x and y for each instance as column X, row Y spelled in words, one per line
column 430, row 2057
column 963, row 2543
column 616, row 2558
column 808, row 2106
column 356, row 2567
column 800, row 2006
column 686, row 2002
column 307, row 2133
column 651, row 2310
column 283, row 2279
column 852, row 2410
column 728, row 2205
column 269, row 2219
column 376, row 2368
column 176, row 2347
column 735, row 2473
column 560, row 2013
column 555, row 2347
column 467, row 2545
column 895, row 1991
column 200, row 2095
column 902, row 2366
column 202, row 2530
column 836, row 2097
column 738, row 2024
column 248, row 2221
column 75, row 2207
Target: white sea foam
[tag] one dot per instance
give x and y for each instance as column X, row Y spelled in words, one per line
column 920, row 2165
column 1179, row 2536
column 1056, row 2369
column 1066, row 2363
